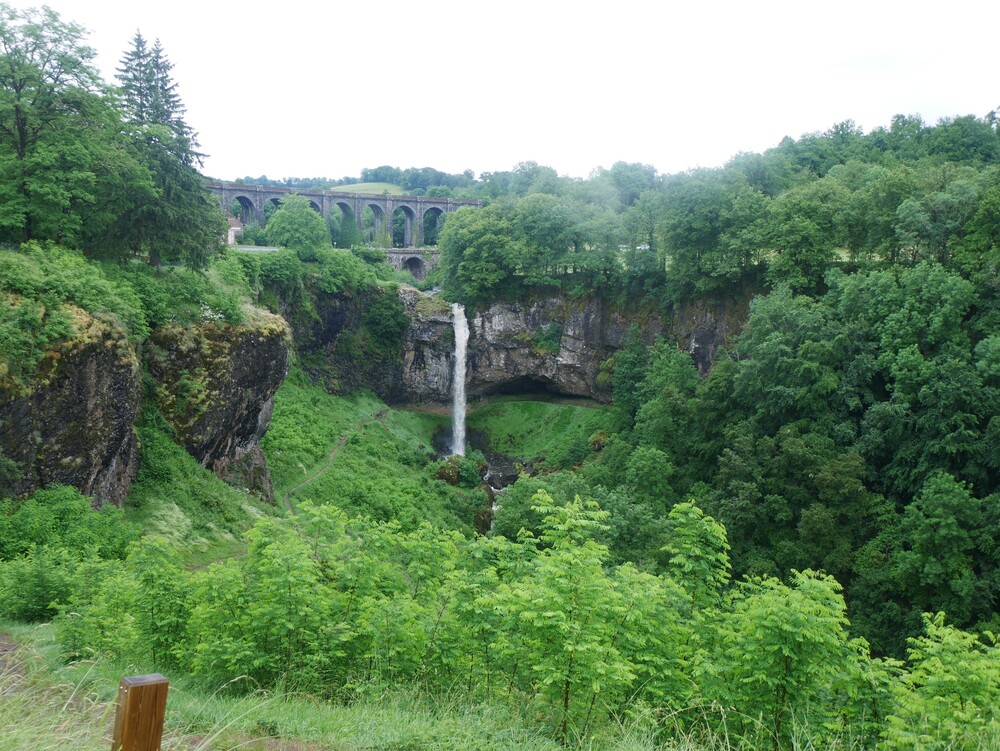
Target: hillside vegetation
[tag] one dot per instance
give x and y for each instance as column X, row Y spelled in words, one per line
column 800, row 549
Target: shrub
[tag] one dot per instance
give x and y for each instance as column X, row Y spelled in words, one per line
column 61, row 517
column 951, row 697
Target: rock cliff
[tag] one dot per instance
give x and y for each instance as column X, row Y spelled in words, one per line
column 702, row 327
column 553, row 344
column 73, row 423
column 349, row 342
column 215, row 384
column 336, row 345
column 428, row 348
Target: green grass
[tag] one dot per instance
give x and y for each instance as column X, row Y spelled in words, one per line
column 382, row 462
column 178, row 499
column 550, row 433
column 46, row 705
column 306, row 425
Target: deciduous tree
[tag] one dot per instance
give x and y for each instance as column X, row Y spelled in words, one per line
column 295, row 225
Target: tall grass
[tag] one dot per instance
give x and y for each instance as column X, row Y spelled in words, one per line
column 47, row 706
column 74, row 708
column 178, row 499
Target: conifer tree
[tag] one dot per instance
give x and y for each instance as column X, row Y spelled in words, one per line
column 185, row 223
column 135, row 79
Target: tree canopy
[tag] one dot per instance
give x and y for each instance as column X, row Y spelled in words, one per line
column 110, row 172
column 295, row 225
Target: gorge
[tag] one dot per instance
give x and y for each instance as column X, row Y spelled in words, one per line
column 745, row 419
column 215, row 382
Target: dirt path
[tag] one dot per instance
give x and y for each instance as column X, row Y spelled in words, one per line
column 10, row 657
column 377, row 417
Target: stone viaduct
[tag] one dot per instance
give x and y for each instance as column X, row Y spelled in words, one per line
column 417, row 210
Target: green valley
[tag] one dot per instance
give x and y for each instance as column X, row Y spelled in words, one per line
column 732, row 469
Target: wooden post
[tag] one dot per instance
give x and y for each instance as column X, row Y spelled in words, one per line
column 142, row 705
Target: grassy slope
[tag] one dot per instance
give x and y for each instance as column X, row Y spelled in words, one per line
column 176, row 498
column 545, row 432
column 382, row 461
column 46, row 705
column 383, row 467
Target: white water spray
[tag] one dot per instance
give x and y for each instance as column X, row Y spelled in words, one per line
column 458, row 382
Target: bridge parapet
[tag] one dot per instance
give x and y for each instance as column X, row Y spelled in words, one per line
column 254, row 198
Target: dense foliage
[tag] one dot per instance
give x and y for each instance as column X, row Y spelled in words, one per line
column 898, row 195
column 53, row 545
column 43, row 286
column 853, row 432
column 852, row 427
column 296, row 226
column 717, row 555
column 110, row 171
column 343, row 608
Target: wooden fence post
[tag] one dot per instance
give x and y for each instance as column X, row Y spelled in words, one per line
column 142, row 705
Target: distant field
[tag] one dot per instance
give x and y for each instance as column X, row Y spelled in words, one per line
column 389, row 188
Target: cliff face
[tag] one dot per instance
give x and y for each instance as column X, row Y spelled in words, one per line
column 428, row 348
column 551, row 344
column 555, row 344
column 216, row 386
column 336, row 345
column 215, row 383
column 702, row 327
column 74, row 423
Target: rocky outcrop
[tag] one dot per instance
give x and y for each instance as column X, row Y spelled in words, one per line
column 343, row 343
column 551, row 344
column 702, row 327
column 73, row 423
column 554, row 344
column 428, row 348
column 215, row 384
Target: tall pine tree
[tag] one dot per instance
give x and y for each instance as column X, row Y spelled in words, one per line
column 135, row 76
column 185, row 223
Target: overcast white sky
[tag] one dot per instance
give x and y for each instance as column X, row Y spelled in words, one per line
column 310, row 89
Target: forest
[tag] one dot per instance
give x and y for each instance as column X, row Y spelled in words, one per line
column 796, row 549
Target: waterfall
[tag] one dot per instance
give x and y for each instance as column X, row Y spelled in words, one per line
column 458, row 382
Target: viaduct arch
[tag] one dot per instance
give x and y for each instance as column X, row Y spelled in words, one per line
column 415, row 209
column 417, row 262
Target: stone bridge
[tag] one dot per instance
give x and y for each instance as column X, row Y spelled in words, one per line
column 420, row 212
column 417, row 262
